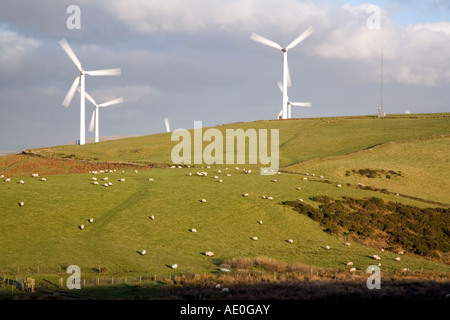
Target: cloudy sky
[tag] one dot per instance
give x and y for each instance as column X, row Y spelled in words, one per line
column 193, row 60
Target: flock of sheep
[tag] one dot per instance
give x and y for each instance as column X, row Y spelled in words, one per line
column 107, row 183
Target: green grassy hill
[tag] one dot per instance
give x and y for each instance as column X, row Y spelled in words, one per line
column 45, row 232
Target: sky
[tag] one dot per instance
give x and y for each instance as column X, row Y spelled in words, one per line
column 191, row 60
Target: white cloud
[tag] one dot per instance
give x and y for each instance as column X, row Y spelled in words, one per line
column 14, row 48
column 439, row 27
column 130, row 94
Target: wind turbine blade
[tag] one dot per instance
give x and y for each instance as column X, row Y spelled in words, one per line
column 71, row 92
column 289, row 83
column 166, row 120
column 302, row 104
column 109, row 103
column 89, row 97
column 91, row 125
column 70, row 53
column 301, row 37
column 105, row 72
column 280, row 85
column 265, row 41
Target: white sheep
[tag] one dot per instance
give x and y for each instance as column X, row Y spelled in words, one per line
column 352, row 269
column 290, row 241
column 347, row 243
column 82, row 227
column 94, row 178
column 382, row 250
column 225, row 290
column 300, row 199
column 21, row 204
column 106, row 185
column 350, row 263
column 339, row 185
column 7, row 180
column 174, row 266
column 2, row 176
column 101, row 171
column 397, row 259
column 193, row 230
column 260, row 222
column 209, row 254
column 401, row 252
column 237, row 168
column 208, row 167
column 299, row 188
column 122, row 180
column 305, row 178
column 203, row 200
column 270, row 198
column 34, row 175
column 274, row 180
column 43, row 179
column 327, row 247
column 190, row 174
column 245, row 194
column 135, row 171
column 105, row 179
column 143, row 252
column 110, row 183
column 179, row 167
column 254, row 238
column 216, row 177
column 91, row 220
column 21, row 182
column 263, row 196
column 150, row 179
column 376, row 257
column 219, row 171
column 405, row 269
column 228, row 174
column 152, row 217
column 96, row 182
column 321, row 177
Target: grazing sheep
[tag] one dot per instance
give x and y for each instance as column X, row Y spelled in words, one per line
column 245, row 194
column 339, row 185
column 96, row 182
column 190, row 174
column 376, row 257
column 305, row 178
column 122, row 180
column 263, row 196
column 174, row 266
column 21, row 204
column 110, row 183
column 21, row 182
column 225, row 290
column 401, row 252
column 321, row 177
column 106, row 185
column 382, row 250
column 405, row 269
column 152, row 217
column 173, row 167
column 350, row 263
column 105, row 179
column 254, row 238
column 143, row 252
column 290, row 241
column 179, row 167
column 397, row 259
column 269, row 198
column 208, row 167
column 135, row 171
column 193, row 230
column 43, row 179
column 327, row 247
column 313, row 175
column 216, row 177
column 2, row 176
column 248, row 171
column 307, row 174
column 101, row 171
column 34, row 175
column 82, row 227
column 91, row 220
column 220, row 180
column 209, row 254
column 7, row 180
column 228, row 175
column 347, row 243
column 151, row 179
column 299, row 188
column 219, row 171
column 379, row 264
column 203, row 200
column 237, row 168
column 300, row 199
column 94, row 178
column 260, row 222
column 274, row 180
column 217, row 286
column 352, row 269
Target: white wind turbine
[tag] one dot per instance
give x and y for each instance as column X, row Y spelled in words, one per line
column 290, row 103
column 286, row 78
column 95, row 113
column 81, row 80
column 166, row 121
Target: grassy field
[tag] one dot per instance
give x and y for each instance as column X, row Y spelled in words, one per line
column 44, row 233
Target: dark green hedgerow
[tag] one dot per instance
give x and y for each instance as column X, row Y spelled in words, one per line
column 422, row 231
